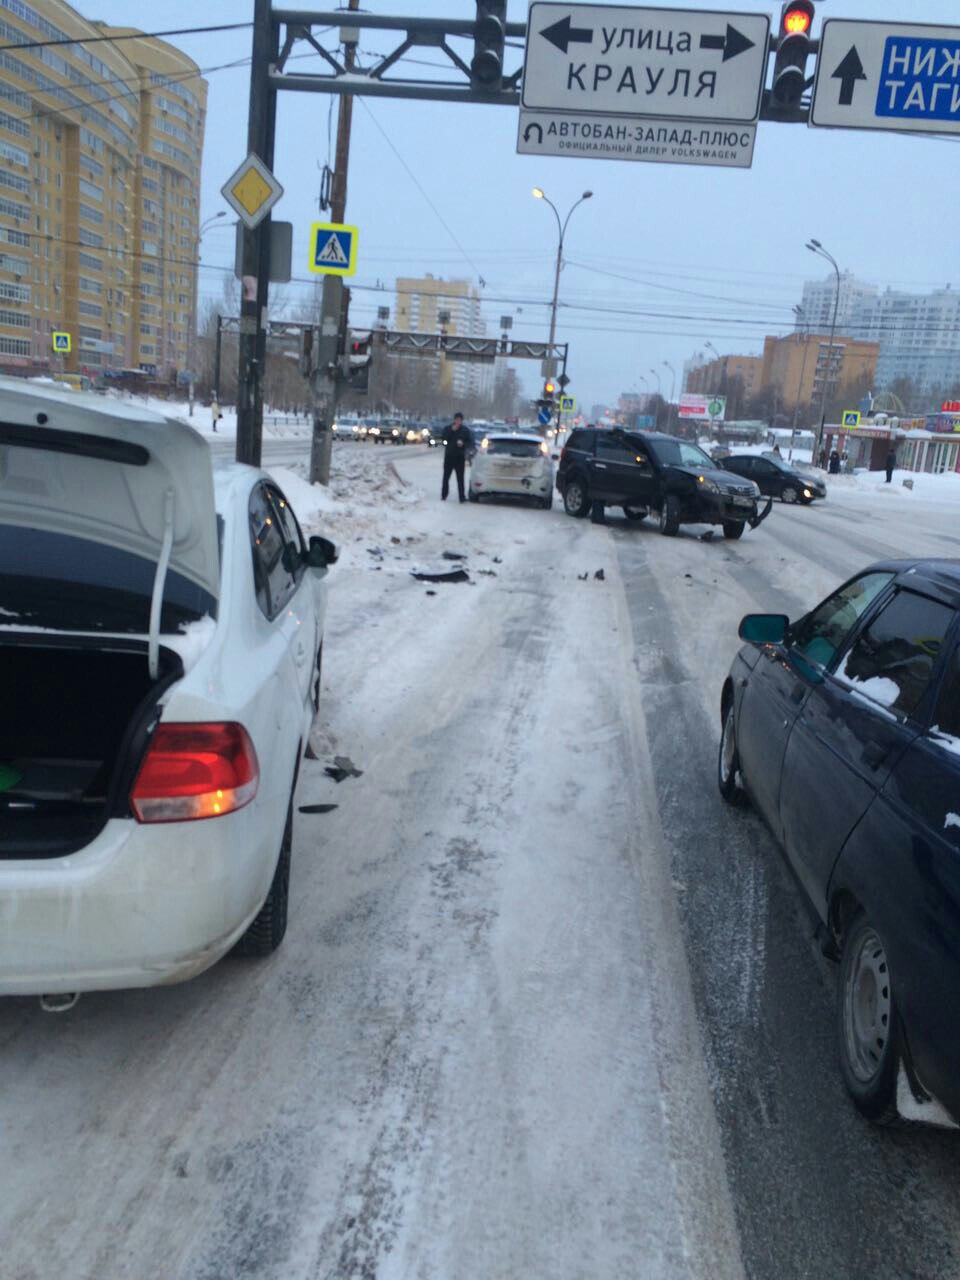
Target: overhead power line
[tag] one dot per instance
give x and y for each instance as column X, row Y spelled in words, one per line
column 133, row 35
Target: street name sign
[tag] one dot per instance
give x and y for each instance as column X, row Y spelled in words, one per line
column 333, row 249
column 61, row 343
column 685, row 64
column 251, row 191
column 881, row 75
column 548, row 133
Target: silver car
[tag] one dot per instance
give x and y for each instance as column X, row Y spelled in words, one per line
column 513, row 464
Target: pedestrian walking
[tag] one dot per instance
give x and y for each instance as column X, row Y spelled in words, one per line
column 834, row 465
column 891, row 464
column 457, row 443
column 215, row 413
column 776, row 451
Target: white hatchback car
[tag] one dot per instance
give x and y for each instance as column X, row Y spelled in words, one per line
column 512, row 463
column 160, row 628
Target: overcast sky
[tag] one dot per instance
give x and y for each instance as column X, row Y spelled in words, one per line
column 661, row 259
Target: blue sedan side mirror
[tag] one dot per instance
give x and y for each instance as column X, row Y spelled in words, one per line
column 764, row 628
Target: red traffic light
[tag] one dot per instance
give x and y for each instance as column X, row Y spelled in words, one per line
column 796, row 18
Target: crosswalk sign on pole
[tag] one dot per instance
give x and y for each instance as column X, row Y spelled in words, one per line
column 851, row 418
column 333, row 249
column 61, row 343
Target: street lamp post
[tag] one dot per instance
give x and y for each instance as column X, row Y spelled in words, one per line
column 673, row 387
column 562, row 229
column 205, row 226
column 802, row 319
column 816, row 247
column 708, row 346
column 659, row 394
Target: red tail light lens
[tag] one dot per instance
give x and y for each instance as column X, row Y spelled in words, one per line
column 195, row 771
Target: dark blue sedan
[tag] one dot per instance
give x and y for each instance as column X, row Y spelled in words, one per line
column 844, row 730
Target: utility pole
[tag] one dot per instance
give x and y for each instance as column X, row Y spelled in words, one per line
column 333, row 312
column 256, row 245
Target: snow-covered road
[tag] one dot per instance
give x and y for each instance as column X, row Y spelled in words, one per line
column 545, row 1009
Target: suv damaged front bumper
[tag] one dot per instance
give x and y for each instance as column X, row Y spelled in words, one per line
column 761, row 515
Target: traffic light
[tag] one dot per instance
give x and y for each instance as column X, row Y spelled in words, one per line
column 793, row 49
column 306, row 352
column 487, row 65
column 360, row 358
column 549, row 389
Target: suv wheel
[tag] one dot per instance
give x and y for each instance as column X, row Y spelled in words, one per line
column 576, row 499
column 670, row 516
column 869, row 1052
column 788, row 494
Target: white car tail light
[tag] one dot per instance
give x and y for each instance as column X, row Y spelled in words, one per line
column 195, row 771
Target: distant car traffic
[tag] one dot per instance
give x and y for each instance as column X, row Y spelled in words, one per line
column 509, row 463
column 644, row 472
column 844, row 730
column 776, row 478
column 161, row 633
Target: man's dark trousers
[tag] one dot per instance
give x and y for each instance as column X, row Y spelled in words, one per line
column 453, row 462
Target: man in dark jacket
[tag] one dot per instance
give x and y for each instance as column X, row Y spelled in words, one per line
column 891, row 463
column 457, row 443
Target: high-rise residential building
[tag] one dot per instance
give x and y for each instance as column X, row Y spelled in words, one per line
column 721, row 374
column 101, row 145
column 428, row 303
column 918, row 333
column 919, row 338
column 819, row 297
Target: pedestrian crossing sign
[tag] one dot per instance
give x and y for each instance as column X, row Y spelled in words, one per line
column 333, row 249
column 851, row 418
column 61, row 343
column 568, row 404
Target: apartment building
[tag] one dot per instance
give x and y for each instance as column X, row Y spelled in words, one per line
column 424, row 305
column 797, row 366
column 101, row 145
column 918, row 333
column 722, row 374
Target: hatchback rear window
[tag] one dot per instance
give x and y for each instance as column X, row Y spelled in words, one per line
column 513, row 448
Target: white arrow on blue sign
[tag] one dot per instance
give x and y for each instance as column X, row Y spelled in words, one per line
column 544, row 416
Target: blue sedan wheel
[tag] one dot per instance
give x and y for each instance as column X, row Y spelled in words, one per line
column 869, row 1056
column 728, row 761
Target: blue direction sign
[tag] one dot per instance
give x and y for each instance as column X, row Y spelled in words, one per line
column 893, row 76
column 333, row 249
column 544, row 416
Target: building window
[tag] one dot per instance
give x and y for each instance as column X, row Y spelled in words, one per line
column 14, row 346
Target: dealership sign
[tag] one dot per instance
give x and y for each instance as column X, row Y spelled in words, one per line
column 703, row 408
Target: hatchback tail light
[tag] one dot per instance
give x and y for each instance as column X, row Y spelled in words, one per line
column 195, row 771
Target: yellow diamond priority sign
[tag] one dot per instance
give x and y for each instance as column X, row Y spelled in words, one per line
column 251, row 191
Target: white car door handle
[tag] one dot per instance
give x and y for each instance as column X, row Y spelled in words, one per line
column 601, row 466
column 300, row 655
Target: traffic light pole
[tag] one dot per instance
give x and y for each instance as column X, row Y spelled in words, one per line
column 256, row 245
column 333, row 313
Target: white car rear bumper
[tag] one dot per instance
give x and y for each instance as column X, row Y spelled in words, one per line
column 137, row 907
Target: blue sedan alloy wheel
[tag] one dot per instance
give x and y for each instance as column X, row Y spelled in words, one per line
column 869, row 1054
column 728, row 761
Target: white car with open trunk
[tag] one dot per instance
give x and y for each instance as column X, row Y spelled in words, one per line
column 512, row 463
column 161, row 622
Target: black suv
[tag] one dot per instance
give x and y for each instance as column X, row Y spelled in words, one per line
column 777, row 478
column 649, row 472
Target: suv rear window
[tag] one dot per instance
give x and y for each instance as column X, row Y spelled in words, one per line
column 513, row 448
column 582, row 440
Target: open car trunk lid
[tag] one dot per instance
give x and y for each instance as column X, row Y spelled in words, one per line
column 96, row 470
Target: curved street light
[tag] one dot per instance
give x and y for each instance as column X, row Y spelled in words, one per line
column 673, row 378
column 539, row 194
column 816, row 247
column 204, row 226
column 801, row 316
